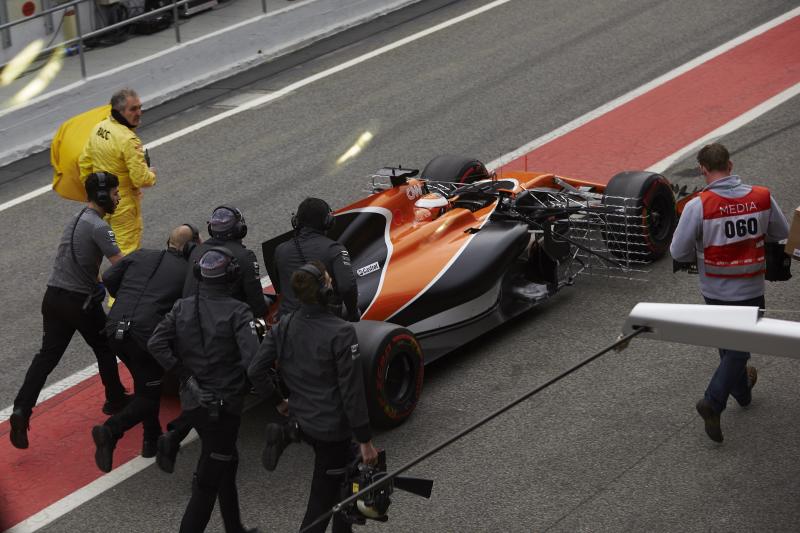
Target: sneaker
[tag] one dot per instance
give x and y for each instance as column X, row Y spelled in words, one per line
column 20, row 423
column 752, row 377
column 711, row 419
column 276, row 443
column 149, row 448
column 167, row 448
column 105, row 443
column 112, row 407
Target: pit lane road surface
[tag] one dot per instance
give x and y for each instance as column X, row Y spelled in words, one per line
column 615, row 447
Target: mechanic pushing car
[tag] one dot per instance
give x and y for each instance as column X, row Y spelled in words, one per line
column 113, row 146
column 73, row 301
column 227, row 228
column 314, row 217
column 208, row 340
column 724, row 230
column 145, row 284
column 318, row 357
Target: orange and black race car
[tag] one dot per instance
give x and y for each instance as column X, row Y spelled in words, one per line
column 446, row 257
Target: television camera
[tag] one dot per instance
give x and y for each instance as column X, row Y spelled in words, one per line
column 374, row 503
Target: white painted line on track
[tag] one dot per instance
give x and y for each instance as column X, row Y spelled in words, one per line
column 90, row 491
column 649, row 86
column 56, row 388
column 727, row 128
column 134, row 466
column 25, row 197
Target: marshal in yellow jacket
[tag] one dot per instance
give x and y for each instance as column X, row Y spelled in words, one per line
column 117, row 149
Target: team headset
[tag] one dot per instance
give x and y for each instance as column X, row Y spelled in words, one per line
column 238, row 231
column 324, row 292
column 195, row 231
column 189, row 246
column 327, row 224
column 102, row 196
column 232, row 270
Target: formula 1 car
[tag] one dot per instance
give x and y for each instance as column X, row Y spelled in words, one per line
column 443, row 258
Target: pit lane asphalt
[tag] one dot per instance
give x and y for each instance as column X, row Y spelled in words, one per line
column 617, row 446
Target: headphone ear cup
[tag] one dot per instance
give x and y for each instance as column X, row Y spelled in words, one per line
column 195, row 232
column 102, row 196
column 188, row 248
column 241, row 226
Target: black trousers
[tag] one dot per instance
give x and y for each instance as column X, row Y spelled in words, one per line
column 326, row 491
column 144, row 407
column 181, row 425
column 63, row 315
column 215, row 477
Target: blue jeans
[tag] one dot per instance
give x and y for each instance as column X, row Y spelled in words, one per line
column 730, row 378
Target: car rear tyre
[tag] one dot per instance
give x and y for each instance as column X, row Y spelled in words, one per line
column 641, row 228
column 455, row 169
column 393, row 371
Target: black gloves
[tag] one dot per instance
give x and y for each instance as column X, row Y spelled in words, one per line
column 203, row 397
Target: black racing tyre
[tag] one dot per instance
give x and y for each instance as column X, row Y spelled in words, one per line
column 455, row 169
column 641, row 228
column 393, row 371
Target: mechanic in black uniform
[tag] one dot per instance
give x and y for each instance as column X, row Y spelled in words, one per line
column 314, row 217
column 74, row 301
column 208, row 340
column 227, row 228
column 145, row 284
column 317, row 356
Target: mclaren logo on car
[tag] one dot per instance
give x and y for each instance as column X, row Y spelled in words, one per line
column 372, row 267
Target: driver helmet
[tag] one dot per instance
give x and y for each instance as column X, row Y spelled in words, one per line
column 430, row 206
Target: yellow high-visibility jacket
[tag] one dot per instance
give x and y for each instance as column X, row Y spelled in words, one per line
column 117, row 149
column 66, row 149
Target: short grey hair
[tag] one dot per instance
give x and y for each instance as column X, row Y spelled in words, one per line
column 120, row 98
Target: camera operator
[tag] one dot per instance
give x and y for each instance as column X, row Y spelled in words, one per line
column 74, row 301
column 314, row 217
column 208, row 340
column 725, row 230
column 317, row 355
column 145, row 285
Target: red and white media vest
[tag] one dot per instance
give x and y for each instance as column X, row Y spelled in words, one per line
column 733, row 233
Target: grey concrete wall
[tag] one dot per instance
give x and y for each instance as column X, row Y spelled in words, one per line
column 187, row 66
